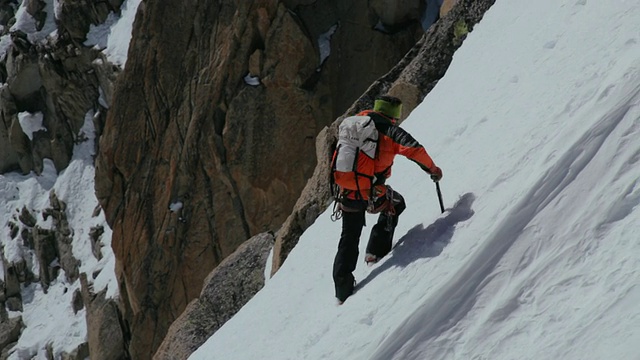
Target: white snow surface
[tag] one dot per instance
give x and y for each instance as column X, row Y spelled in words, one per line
column 251, row 80
column 27, row 24
column 120, row 33
column 176, row 206
column 98, row 35
column 48, row 317
column 536, row 126
column 45, row 324
column 114, row 35
column 324, row 42
column 30, row 123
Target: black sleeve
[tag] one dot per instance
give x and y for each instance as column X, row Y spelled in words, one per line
column 396, row 133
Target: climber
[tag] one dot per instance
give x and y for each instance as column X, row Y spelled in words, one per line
column 367, row 145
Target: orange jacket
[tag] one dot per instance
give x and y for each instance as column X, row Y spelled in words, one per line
column 393, row 140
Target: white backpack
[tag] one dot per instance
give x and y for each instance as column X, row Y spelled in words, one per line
column 353, row 159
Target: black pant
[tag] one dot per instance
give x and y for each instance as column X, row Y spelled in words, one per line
column 379, row 244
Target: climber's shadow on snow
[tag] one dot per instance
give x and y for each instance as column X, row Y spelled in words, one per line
column 429, row 242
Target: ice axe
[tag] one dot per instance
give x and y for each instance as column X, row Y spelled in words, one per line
column 439, row 196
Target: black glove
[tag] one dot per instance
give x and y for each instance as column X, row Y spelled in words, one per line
column 436, row 174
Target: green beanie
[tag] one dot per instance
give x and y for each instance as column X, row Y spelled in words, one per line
column 390, row 106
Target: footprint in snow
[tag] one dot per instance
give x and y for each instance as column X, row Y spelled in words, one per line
column 368, row 319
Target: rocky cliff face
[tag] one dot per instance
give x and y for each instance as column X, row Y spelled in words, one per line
column 226, row 290
column 57, row 80
column 51, row 84
column 447, row 5
column 211, row 135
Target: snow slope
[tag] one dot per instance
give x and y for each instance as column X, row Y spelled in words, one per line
column 536, row 126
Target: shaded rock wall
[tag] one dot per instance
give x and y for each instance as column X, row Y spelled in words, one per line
column 226, row 290
column 105, row 331
column 210, row 138
column 10, row 330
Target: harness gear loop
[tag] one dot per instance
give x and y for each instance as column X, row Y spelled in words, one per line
column 337, row 209
column 371, row 205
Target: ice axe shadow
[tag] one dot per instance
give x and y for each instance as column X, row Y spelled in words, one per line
column 429, row 242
